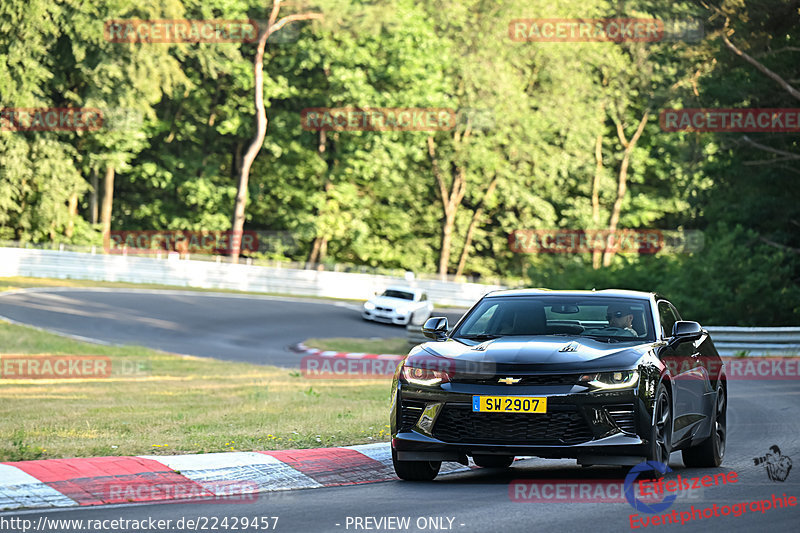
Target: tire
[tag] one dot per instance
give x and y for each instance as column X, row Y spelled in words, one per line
column 660, row 445
column 493, row 461
column 415, row 470
column 711, row 451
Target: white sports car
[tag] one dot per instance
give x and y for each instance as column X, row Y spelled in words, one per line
column 398, row 305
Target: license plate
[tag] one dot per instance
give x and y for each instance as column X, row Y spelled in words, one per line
column 508, row 404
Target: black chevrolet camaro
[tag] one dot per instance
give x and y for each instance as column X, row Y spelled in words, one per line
column 605, row 377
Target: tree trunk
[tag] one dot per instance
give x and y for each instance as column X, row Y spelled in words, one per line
column 314, row 255
column 317, row 248
column 108, row 200
column 73, row 212
column 261, row 121
column 622, row 182
column 451, row 199
column 598, row 156
column 476, row 216
column 447, row 241
column 323, row 253
column 93, row 197
column 252, row 151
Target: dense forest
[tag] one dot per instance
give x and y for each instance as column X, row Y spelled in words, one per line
column 545, row 135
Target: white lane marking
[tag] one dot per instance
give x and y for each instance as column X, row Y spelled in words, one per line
column 216, row 471
column 380, row 451
column 174, row 292
column 20, row 489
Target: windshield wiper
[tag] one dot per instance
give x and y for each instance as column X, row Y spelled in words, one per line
column 479, row 337
column 603, row 338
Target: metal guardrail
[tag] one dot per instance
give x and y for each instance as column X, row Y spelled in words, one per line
column 730, row 341
column 414, row 335
column 263, row 261
column 211, row 275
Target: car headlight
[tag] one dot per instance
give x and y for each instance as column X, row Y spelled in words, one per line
column 402, row 312
column 424, row 376
column 369, row 306
column 611, row 380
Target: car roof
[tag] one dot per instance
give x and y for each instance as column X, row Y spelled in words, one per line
column 548, row 292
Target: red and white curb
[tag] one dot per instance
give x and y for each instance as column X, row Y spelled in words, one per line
column 305, row 350
column 114, row 480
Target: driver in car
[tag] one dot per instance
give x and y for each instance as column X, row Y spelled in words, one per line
column 621, row 316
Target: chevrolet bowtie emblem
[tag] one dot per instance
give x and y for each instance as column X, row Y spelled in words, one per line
column 508, row 381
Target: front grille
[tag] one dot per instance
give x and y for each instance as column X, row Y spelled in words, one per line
column 410, row 413
column 538, row 379
column 562, row 425
column 623, row 417
column 386, row 309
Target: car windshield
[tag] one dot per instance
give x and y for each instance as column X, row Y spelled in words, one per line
column 390, row 293
column 608, row 319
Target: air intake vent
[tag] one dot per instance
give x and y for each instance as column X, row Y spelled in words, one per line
column 623, row 417
column 410, row 413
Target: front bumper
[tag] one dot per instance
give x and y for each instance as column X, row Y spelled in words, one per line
column 594, row 427
column 387, row 317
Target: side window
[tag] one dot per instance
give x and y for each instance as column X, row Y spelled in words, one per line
column 667, row 317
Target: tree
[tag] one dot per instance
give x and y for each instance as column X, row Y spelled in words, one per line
column 273, row 25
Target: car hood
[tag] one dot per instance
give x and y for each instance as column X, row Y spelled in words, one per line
column 523, row 354
column 396, row 303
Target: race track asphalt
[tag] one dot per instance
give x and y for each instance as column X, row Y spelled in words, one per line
column 253, row 329
column 760, row 414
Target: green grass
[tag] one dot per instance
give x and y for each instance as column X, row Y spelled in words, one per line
column 158, row 403
column 395, row 345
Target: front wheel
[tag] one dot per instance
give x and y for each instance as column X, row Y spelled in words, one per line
column 710, row 452
column 493, row 461
column 661, row 432
column 415, row 470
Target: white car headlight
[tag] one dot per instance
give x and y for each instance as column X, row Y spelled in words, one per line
column 369, row 306
column 611, row 380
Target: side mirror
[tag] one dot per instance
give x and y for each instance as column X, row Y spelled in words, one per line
column 435, row 328
column 686, row 330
